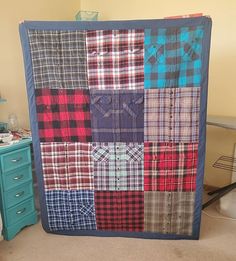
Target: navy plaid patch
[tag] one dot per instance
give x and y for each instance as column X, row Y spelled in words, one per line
column 173, row 57
column 68, row 210
column 117, row 115
column 58, row 210
column 82, row 209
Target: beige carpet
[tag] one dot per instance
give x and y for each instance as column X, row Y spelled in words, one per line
column 218, row 242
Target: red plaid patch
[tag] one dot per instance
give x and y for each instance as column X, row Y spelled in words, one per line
column 122, row 210
column 115, row 59
column 170, row 166
column 67, row 166
column 63, row 115
column 54, row 165
column 80, row 166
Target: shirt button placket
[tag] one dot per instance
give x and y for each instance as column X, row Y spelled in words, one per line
column 117, row 116
column 116, row 59
column 119, row 196
column 116, row 76
column 59, row 60
column 116, row 65
column 169, row 213
column 99, row 62
column 118, row 168
column 171, row 120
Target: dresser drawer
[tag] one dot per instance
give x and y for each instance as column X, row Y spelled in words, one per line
column 16, row 177
column 15, row 159
column 18, row 194
column 15, row 214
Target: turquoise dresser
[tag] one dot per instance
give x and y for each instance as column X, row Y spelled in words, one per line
column 16, row 189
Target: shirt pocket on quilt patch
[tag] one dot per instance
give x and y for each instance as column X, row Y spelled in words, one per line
column 102, row 105
column 133, row 105
column 134, row 153
column 86, row 209
column 100, row 154
column 191, row 48
column 131, row 52
column 154, row 54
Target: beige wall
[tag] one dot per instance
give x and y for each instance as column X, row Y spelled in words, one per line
column 12, row 81
column 222, row 82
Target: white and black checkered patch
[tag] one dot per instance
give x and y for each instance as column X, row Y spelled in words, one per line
column 134, row 152
column 59, row 59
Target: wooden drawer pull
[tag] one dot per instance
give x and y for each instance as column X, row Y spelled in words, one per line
column 21, row 211
column 18, row 177
column 16, row 160
column 19, row 194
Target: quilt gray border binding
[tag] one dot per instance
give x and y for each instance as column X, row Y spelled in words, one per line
column 129, row 24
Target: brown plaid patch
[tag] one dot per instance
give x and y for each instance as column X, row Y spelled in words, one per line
column 169, row 212
column 172, row 115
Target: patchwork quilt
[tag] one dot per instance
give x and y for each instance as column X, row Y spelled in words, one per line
column 118, row 113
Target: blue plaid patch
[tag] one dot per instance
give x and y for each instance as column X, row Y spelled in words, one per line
column 69, row 210
column 173, row 57
column 59, row 217
column 82, row 209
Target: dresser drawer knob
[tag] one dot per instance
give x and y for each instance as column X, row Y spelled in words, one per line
column 20, row 211
column 16, row 160
column 19, row 194
column 18, row 177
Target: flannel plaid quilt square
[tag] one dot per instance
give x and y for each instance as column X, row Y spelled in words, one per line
column 170, row 167
column 63, row 115
column 172, row 115
column 117, row 116
column 82, row 209
column 58, row 210
column 169, row 212
column 70, row 210
column 115, row 59
column 54, row 165
column 67, row 166
column 118, row 166
column 120, row 211
column 59, row 59
column 80, row 166
column 173, row 57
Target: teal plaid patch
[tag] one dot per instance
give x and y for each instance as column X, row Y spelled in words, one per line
column 173, row 57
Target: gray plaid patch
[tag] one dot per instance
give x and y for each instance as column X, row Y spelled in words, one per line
column 118, row 166
column 169, row 212
column 59, row 59
column 101, row 153
column 134, row 152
